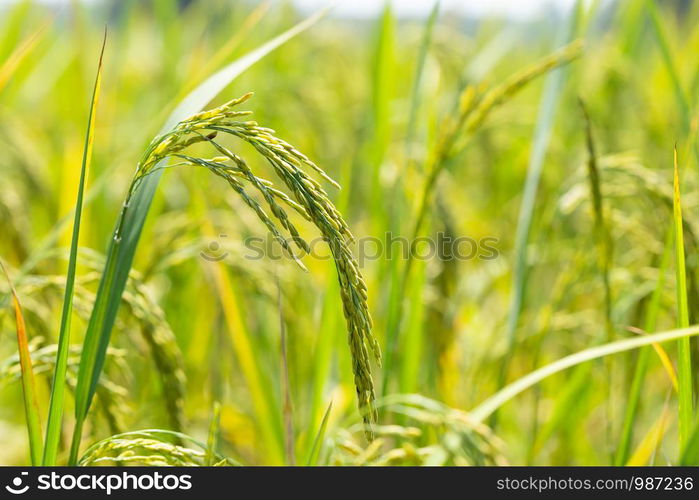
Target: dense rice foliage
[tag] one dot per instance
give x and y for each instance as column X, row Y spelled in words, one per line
column 548, row 142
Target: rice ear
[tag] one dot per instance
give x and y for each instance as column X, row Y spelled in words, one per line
column 306, row 197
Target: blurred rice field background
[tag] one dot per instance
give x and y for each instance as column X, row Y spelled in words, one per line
column 570, row 207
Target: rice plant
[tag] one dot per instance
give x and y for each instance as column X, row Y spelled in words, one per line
column 310, row 201
column 508, row 276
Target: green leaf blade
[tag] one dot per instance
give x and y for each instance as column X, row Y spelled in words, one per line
column 31, row 404
column 683, row 347
column 53, row 426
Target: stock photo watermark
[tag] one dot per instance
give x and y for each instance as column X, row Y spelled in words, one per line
column 442, row 246
column 213, row 251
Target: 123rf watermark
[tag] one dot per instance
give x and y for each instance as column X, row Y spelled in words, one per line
column 442, row 246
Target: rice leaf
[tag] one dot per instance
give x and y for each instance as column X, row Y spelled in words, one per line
column 317, row 442
column 690, row 455
column 212, row 440
column 55, row 418
column 686, row 393
column 31, row 404
column 650, row 322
